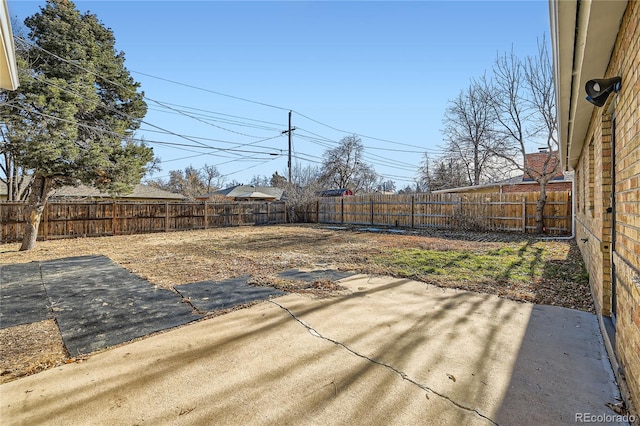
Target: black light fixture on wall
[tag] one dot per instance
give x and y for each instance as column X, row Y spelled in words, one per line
column 598, row 90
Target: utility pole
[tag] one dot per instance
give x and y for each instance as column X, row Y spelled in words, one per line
column 291, row 129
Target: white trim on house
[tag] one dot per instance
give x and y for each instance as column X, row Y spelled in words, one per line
column 8, row 67
column 583, row 35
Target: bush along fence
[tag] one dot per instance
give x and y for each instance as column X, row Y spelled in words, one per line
column 85, row 219
column 510, row 212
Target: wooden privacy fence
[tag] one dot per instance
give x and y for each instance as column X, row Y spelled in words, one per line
column 512, row 212
column 77, row 219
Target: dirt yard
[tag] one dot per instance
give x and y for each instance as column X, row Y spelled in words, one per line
column 511, row 266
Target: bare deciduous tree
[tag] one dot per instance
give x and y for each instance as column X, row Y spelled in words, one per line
column 260, row 180
column 344, row 167
column 423, row 177
column 469, row 131
column 191, row 182
column 212, row 177
column 387, row 186
column 523, row 98
column 442, row 173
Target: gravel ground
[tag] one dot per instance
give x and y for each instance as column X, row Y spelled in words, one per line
column 169, row 259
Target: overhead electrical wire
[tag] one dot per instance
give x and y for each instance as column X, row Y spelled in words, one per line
column 359, row 134
column 372, row 157
column 236, row 144
column 172, row 107
column 375, row 159
column 101, row 130
column 224, row 114
column 143, row 121
column 422, row 149
column 224, row 121
column 105, row 106
column 119, row 85
column 210, row 91
column 201, row 120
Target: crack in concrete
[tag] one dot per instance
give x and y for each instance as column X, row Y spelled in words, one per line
column 400, row 373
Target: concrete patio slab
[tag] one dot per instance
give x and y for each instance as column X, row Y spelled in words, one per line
column 208, row 296
column 393, row 351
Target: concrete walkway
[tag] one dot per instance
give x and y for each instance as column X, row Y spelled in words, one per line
column 394, row 351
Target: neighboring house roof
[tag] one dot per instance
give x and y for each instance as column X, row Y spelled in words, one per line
column 583, row 35
column 248, row 192
column 4, row 189
column 140, row 191
column 8, row 67
column 516, row 180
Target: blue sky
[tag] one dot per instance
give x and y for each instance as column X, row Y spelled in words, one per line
column 382, row 70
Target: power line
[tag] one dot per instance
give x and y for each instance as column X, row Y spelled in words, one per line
column 112, row 82
column 209, row 91
column 170, row 106
column 98, row 129
column 213, row 148
column 201, row 120
column 359, row 134
column 423, row 149
column 224, row 114
column 375, row 159
column 222, row 120
column 236, row 144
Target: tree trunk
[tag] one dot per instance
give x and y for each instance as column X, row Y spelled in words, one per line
column 542, row 200
column 40, row 191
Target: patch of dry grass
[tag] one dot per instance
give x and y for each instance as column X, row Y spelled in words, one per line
column 30, row 348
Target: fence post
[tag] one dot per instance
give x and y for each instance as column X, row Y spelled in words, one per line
column 45, row 220
column 166, row 217
column 371, row 208
column 413, row 210
column 206, row 215
column 524, row 214
column 570, row 212
column 268, row 213
column 341, row 211
column 114, row 219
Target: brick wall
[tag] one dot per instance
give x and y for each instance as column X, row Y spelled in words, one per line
column 551, row 186
column 594, row 185
column 626, row 62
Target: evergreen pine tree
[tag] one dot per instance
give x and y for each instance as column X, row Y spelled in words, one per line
column 75, row 112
